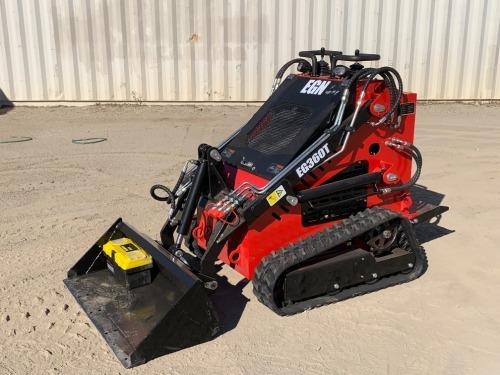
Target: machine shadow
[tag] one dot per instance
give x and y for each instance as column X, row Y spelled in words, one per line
column 5, row 104
column 229, row 302
column 430, row 230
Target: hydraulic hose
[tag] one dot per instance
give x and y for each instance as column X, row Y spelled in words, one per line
column 289, row 64
column 345, row 97
column 179, row 181
column 387, row 73
column 279, row 75
column 171, row 194
column 390, row 73
column 416, row 155
column 170, row 198
column 358, row 75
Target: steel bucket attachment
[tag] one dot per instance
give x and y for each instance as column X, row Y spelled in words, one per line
column 172, row 312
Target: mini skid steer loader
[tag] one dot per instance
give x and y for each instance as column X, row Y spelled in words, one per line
column 309, row 199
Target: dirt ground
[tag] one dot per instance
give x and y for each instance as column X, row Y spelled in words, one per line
column 57, row 198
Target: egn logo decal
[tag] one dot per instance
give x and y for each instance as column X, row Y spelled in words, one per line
column 315, row 87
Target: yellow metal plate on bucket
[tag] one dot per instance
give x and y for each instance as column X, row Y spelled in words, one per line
column 126, row 253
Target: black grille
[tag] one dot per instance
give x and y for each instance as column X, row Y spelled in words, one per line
column 278, row 128
column 406, row 109
column 338, row 205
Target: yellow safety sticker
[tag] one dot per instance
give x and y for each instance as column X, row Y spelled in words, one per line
column 276, row 195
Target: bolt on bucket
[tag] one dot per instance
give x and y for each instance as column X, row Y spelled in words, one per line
column 154, row 308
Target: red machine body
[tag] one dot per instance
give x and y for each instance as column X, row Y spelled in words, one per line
column 282, row 224
column 310, row 199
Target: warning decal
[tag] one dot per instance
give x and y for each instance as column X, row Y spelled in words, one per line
column 276, row 195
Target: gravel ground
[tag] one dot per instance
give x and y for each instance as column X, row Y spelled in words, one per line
column 57, row 198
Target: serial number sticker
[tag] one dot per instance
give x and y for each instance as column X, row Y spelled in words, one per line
column 276, row 195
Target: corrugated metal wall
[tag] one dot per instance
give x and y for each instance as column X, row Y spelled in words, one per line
column 229, row 50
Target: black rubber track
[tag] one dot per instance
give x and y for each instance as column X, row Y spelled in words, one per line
column 270, row 273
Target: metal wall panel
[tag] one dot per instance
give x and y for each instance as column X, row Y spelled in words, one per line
column 229, row 50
